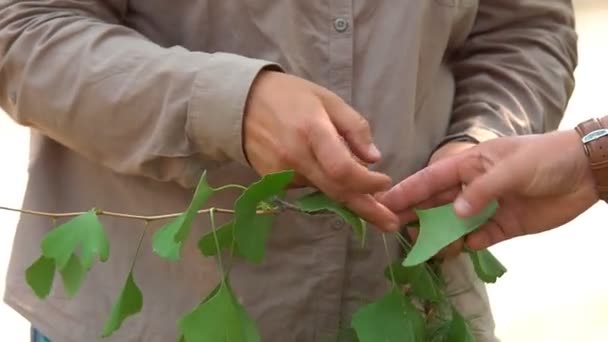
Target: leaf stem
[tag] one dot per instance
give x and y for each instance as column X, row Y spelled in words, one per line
column 232, row 245
column 407, row 246
column 230, row 186
column 217, row 243
column 390, row 262
column 404, row 242
column 141, row 239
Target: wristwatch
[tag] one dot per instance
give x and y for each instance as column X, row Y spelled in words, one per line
column 594, row 137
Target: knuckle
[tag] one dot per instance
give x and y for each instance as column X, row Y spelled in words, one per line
column 339, row 170
column 362, row 126
column 284, row 155
column 359, row 128
column 304, row 129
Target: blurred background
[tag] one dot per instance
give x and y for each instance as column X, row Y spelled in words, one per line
column 556, row 287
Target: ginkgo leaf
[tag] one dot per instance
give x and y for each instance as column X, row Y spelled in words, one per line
column 393, row 318
column 128, row 303
column 318, row 201
column 40, row 275
column 219, row 318
column 225, row 237
column 251, row 229
column 251, row 242
column 73, row 275
column 487, row 267
column 439, row 227
column 459, row 330
column 419, row 278
column 163, row 241
column 84, row 231
column 168, row 240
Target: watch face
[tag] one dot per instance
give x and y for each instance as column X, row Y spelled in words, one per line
column 594, row 135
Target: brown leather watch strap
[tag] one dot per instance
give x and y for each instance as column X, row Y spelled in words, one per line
column 594, row 136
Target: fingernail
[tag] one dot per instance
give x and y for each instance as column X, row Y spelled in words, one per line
column 462, row 207
column 374, row 152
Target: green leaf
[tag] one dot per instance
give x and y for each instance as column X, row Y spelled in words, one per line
column 393, row 318
column 459, row 330
column 129, row 303
column 419, row 278
column 163, row 241
column 85, row 231
column 225, row 236
column 73, row 275
column 251, row 229
column 487, row 267
column 318, row 201
column 40, row 275
column 439, row 227
column 251, row 242
column 219, row 318
column 168, row 240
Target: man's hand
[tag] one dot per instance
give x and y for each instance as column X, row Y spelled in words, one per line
column 291, row 123
column 540, row 181
column 445, row 151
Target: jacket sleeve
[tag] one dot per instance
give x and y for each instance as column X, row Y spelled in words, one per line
column 71, row 71
column 514, row 73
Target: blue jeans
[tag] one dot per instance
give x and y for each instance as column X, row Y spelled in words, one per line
column 37, row 336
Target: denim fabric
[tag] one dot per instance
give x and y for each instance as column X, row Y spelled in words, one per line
column 37, row 336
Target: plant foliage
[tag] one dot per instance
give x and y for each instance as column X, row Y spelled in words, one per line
column 415, row 308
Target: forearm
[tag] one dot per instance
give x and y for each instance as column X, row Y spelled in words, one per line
column 514, row 74
column 70, row 70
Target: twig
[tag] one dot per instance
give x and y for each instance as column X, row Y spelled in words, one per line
column 123, row 215
column 286, row 205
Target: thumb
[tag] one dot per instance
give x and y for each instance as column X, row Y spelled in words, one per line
column 493, row 184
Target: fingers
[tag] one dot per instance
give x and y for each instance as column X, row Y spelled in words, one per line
column 452, row 250
column 427, row 183
column 353, row 127
column 487, row 235
column 485, row 188
column 442, row 198
column 369, row 209
column 339, row 165
column 299, row 181
column 363, row 204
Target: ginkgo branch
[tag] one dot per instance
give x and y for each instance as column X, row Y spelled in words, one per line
column 149, row 218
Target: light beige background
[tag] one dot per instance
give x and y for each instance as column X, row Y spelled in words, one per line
column 556, row 288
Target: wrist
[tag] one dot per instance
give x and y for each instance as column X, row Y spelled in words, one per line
column 593, row 141
column 585, row 180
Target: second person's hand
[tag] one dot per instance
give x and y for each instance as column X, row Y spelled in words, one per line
column 540, row 181
column 291, row 123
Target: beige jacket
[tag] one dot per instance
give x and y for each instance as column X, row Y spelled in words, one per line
column 129, row 100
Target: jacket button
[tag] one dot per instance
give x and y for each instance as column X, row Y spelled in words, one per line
column 340, row 24
column 337, row 224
